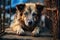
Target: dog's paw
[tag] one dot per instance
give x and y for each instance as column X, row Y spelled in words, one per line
column 20, row 31
column 35, row 32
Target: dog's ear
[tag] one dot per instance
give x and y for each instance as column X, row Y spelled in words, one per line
column 39, row 7
column 20, row 7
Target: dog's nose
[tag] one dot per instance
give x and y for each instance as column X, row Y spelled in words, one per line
column 30, row 22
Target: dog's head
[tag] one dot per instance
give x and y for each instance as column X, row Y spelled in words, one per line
column 30, row 12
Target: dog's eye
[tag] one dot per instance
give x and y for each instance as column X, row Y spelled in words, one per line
column 34, row 14
column 26, row 13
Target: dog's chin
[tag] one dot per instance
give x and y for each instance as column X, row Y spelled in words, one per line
column 29, row 25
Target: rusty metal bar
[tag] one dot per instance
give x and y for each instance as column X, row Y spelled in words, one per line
column 54, row 18
column 53, row 8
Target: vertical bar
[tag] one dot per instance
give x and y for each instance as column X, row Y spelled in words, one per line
column 59, row 18
column 3, row 17
column 10, row 12
column 0, row 15
column 55, row 25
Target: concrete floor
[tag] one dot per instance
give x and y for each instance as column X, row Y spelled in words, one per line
column 14, row 37
column 10, row 35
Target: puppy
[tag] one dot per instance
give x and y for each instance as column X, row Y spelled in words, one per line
column 27, row 18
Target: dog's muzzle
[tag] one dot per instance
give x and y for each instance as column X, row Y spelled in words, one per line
column 30, row 23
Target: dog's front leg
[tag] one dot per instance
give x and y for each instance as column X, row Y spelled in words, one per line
column 19, row 30
column 16, row 27
column 36, row 31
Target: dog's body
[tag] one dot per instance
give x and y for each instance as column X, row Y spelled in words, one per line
column 27, row 18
